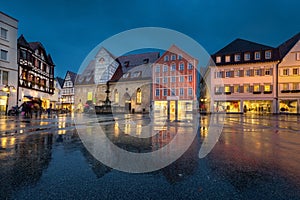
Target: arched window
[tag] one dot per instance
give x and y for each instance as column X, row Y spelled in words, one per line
column 139, row 96
column 116, row 96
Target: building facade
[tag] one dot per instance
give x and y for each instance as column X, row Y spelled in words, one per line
column 289, row 76
column 125, row 80
column 175, row 85
column 36, row 73
column 68, row 91
column 244, row 78
column 8, row 62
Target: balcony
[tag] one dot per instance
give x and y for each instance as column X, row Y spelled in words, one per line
column 256, row 92
column 295, row 91
column 227, row 93
column 267, row 92
column 285, row 91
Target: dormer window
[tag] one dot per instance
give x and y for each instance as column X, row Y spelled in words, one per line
column 257, row 55
column 297, row 55
column 146, row 60
column 179, row 57
column 218, row 59
column 247, row 56
column 126, row 63
column 268, row 54
column 227, row 58
column 136, row 74
column 237, row 57
column 126, row 75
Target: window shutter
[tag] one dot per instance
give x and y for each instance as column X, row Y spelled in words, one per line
column 231, row 74
column 262, row 88
column 241, row 73
column 251, row 88
column 262, row 72
column 223, row 74
column 251, row 72
column 271, row 88
column 241, row 89
column 231, row 89
column 271, row 71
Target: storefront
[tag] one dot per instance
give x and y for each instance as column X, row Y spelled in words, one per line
column 3, row 100
column 288, row 106
column 227, row 106
column 258, row 106
column 174, row 109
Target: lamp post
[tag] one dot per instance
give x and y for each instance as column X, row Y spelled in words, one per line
column 8, row 89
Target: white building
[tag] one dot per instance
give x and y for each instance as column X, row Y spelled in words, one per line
column 243, row 79
column 289, row 76
column 8, row 61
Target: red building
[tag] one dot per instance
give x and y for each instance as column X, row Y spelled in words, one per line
column 174, row 85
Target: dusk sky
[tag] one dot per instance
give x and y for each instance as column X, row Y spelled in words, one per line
column 69, row 30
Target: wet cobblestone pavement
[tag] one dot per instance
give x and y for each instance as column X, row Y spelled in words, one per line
column 256, row 157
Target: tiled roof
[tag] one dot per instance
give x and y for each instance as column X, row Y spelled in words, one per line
column 49, row 58
column 137, row 59
column 60, row 81
column 285, row 47
column 22, row 42
column 87, row 76
column 240, row 45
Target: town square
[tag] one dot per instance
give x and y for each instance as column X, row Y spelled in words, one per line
column 149, row 100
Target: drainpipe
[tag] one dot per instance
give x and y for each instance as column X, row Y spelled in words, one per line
column 277, row 87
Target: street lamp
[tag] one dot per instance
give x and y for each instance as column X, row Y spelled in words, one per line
column 8, row 89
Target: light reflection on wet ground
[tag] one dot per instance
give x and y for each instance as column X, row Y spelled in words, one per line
column 255, row 157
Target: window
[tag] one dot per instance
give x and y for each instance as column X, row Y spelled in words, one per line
column 173, row 57
column 218, row 59
column 181, row 79
column 179, row 57
column 173, row 79
column 227, row 89
column 173, row 67
column 285, row 72
column 3, row 54
column 165, row 92
column 3, row 33
column 268, row 54
column 157, row 92
column 165, row 69
column 268, row 71
column 190, row 78
column 190, row 91
column 157, row 69
column 3, row 77
column 157, row 80
column 295, row 86
column 219, row 74
column 257, row 55
column 246, row 88
column 146, row 60
column 139, row 96
column 136, row 74
column 190, row 66
column 247, row 56
column 181, row 66
column 248, row 72
column 285, row 86
column 173, row 92
column 166, row 58
column 237, row 57
column 236, row 88
column 257, row 72
column 237, row 73
column 218, row 89
column 256, row 88
column 181, row 91
column 227, row 58
column 267, row 88
column 227, row 74
column 297, row 55
column 165, row 80
column 295, row 71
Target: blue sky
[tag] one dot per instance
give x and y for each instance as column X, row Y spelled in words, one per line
column 70, row 29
